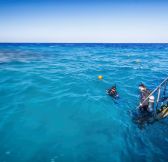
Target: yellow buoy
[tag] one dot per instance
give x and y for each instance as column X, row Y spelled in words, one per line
column 100, row 77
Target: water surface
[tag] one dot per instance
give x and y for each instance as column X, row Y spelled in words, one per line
column 54, row 109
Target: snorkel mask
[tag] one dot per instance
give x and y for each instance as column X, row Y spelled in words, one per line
column 142, row 87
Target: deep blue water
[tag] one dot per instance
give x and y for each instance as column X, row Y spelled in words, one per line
column 54, row 109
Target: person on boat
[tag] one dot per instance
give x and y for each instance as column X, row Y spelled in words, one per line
column 113, row 92
column 144, row 93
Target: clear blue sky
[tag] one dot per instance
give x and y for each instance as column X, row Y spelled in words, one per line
column 84, row 21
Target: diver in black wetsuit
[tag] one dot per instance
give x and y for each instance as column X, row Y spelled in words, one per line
column 144, row 94
column 113, row 92
column 146, row 107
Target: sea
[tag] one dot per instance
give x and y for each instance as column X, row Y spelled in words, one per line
column 53, row 107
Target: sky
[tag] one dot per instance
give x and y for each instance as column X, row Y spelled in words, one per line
column 84, row 21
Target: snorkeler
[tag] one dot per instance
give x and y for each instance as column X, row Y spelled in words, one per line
column 144, row 94
column 112, row 92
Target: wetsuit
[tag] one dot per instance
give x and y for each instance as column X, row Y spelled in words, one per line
column 143, row 96
column 114, row 93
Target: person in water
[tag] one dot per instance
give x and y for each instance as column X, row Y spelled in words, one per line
column 144, row 93
column 113, row 92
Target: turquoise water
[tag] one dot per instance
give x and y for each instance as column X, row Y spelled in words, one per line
column 54, row 109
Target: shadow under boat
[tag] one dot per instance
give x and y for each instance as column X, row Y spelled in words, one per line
column 141, row 118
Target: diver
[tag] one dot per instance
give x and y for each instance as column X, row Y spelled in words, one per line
column 145, row 113
column 113, row 92
column 145, row 104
